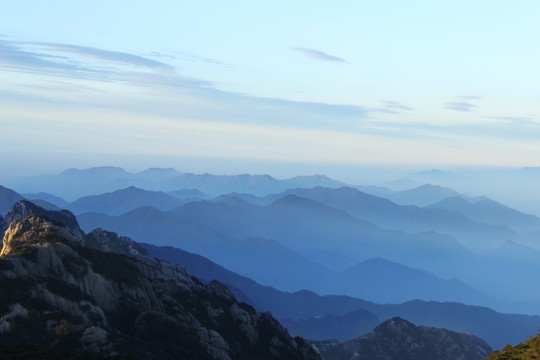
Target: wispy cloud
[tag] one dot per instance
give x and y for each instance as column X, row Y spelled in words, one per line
column 459, row 106
column 68, row 61
column 116, row 56
column 396, row 105
column 184, row 55
column 512, row 119
column 12, row 55
column 318, row 55
column 462, row 103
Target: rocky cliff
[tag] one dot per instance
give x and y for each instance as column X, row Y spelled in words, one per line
column 101, row 293
column 398, row 339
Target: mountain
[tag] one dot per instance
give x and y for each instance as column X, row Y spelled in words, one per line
column 229, row 231
column 421, row 196
column 72, row 184
column 123, row 200
column 490, row 212
column 45, row 204
column 379, row 191
column 99, row 292
column 380, row 280
column 252, row 256
column 398, row 339
column 8, row 197
column 189, row 194
column 75, row 183
column 434, row 176
column 331, row 326
column 298, row 222
column 25, row 208
column 58, row 201
column 312, row 181
column 409, row 218
column 302, row 307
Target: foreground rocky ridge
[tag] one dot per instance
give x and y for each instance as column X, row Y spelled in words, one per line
column 398, row 339
column 102, row 293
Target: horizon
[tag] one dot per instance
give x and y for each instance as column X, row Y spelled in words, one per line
column 510, row 186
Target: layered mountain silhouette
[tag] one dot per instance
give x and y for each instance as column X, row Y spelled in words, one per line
column 124, row 200
column 287, row 232
column 312, row 316
column 409, row 218
column 75, row 183
column 234, row 233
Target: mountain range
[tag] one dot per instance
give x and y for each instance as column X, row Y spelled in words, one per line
column 329, row 260
column 250, row 239
column 72, row 184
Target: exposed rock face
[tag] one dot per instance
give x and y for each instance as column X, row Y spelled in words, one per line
column 99, row 292
column 398, row 339
column 24, row 208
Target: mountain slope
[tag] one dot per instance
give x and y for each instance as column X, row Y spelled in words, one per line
column 380, row 280
column 398, row 339
column 249, row 256
column 8, row 197
column 410, row 218
column 122, row 201
column 58, row 201
column 422, row 195
column 98, row 292
column 490, row 212
column 298, row 222
column 296, row 308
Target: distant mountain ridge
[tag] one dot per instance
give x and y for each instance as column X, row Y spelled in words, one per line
column 490, row 212
column 123, row 200
column 386, row 214
column 72, row 184
column 421, row 196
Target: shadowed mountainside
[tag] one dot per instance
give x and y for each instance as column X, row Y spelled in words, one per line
column 99, row 292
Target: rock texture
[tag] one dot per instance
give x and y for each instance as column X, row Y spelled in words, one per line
column 398, row 339
column 100, row 293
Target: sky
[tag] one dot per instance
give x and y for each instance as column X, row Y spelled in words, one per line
column 280, row 87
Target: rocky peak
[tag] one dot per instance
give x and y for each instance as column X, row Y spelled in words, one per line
column 24, row 208
column 34, row 230
column 108, row 241
column 398, row 339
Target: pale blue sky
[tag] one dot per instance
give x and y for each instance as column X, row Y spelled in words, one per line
column 196, row 85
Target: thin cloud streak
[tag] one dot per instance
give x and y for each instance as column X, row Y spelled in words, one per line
column 184, row 55
column 125, row 58
column 513, row 119
column 318, row 55
column 459, row 106
column 396, row 105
